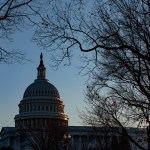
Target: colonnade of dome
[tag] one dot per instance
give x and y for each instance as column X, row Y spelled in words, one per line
column 28, row 108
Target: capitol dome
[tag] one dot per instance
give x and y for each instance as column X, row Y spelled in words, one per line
column 41, row 88
column 41, row 102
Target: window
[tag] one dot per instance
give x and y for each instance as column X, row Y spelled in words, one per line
column 42, row 108
column 46, row 108
column 31, row 108
column 35, row 108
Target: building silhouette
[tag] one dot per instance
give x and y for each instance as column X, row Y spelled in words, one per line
column 41, row 118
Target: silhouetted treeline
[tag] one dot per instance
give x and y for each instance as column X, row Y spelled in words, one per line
column 6, row 148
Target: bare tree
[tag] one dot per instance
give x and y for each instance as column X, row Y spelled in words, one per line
column 42, row 137
column 15, row 15
column 118, row 36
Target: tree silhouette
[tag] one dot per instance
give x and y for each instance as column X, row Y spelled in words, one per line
column 114, row 143
column 6, row 148
column 116, row 33
column 42, row 137
column 17, row 15
column 124, row 143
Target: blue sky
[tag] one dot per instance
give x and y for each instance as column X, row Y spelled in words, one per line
column 14, row 79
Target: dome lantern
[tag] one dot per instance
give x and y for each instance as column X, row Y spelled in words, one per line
column 41, row 70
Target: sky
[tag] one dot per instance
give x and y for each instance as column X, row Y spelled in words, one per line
column 15, row 78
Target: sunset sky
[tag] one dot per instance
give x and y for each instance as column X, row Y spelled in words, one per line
column 15, row 78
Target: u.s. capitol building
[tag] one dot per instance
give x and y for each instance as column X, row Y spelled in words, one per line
column 42, row 124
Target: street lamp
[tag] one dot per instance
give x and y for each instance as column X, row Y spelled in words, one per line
column 67, row 138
